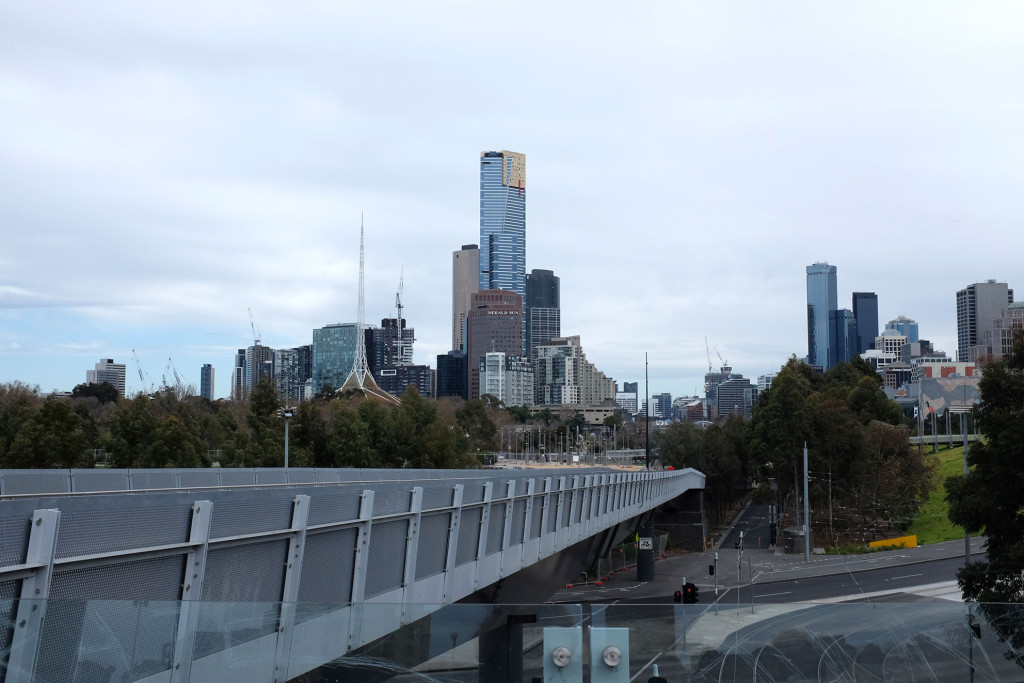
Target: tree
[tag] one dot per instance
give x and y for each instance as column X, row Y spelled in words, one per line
column 104, row 391
column 132, row 432
column 987, row 500
column 477, row 424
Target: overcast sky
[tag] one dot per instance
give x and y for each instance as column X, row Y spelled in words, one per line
column 165, row 167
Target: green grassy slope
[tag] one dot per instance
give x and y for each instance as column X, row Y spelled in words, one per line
column 932, row 523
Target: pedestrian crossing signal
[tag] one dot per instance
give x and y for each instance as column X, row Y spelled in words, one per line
column 691, row 594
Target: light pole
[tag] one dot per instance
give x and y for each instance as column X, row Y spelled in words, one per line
column 287, row 414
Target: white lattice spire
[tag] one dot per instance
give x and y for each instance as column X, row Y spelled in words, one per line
column 360, row 377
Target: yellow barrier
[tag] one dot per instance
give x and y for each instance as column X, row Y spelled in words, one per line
column 901, row 542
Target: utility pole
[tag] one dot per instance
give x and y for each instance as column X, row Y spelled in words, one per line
column 807, row 513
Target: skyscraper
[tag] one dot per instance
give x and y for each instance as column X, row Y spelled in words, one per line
column 503, row 221
column 865, row 311
column 543, row 314
column 821, row 299
column 206, row 381
column 905, row 326
column 465, row 283
column 495, row 324
column 977, row 308
column 843, row 337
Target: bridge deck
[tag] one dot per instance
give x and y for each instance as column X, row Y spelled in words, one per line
column 307, row 550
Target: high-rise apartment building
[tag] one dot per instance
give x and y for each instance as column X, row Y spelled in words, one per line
column 821, row 299
column 206, row 381
column 508, row 378
column 977, row 308
column 543, row 311
column 238, row 391
column 564, row 376
column 110, row 372
column 293, row 370
column 495, row 324
column 865, row 312
column 503, row 221
column 259, row 362
column 465, row 283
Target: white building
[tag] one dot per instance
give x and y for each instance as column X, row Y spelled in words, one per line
column 108, row 371
column 508, row 378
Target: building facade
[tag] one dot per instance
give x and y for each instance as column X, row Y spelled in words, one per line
column 452, row 375
column 259, row 362
column 843, row 337
column 564, row 376
column 503, row 221
column 110, row 372
column 238, row 391
column 465, row 283
column 905, row 326
column 821, row 300
column 977, row 308
column 735, row 396
column 206, row 388
column 865, row 312
column 334, row 352
column 508, row 378
column 542, row 309
column 997, row 342
column 495, row 324
column 293, row 370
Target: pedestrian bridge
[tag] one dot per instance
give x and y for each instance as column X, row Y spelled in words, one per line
column 264, row 574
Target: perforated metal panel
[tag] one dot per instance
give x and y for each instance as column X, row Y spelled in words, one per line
column 537, row 518
column 87, row 532
column 336, row 507
column 327, row 569
column 433, row 544
column 386, row 563
column 469, row 536
column 123, row 616
column 13, row 539
column 518, row 521
column 271, row 475
column 13, row 482
column 153, row 479
column 566, row 512
column 389, row 502
column 436, row 496
column 8, row 591
column 234, row 518
column 473, row 492
column 495, row 529
column 237, row 477
column 247, row 583
column 99, row 480
column 199, row 478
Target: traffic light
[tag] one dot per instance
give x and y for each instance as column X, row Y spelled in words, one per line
column 678, row 596
column 691, row 594
column 736, row 545
column 711, row 570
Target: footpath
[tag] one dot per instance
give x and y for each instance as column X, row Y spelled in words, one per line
column 757, row 566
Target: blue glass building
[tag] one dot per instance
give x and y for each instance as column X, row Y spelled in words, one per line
column 843, row 338
column 503, row 221
column 821, row 299
column 334, row 352
column 865, row 310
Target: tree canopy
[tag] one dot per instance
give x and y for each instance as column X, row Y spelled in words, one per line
column 988, row 499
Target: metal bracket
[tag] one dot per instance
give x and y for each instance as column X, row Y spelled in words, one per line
column 563, row 654
column 609, row 655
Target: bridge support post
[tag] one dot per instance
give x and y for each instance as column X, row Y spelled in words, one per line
column 645, row 550
column 35, row 591
column 192, row 589
column 290, row 593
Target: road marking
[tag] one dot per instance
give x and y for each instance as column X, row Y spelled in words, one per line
column 772, row 595
column 908, row 576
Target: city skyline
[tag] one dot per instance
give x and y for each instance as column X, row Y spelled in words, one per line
column 163, row 180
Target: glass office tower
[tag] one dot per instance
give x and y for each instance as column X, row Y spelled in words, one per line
column 503, row 221
column 865, row 310
column 821, row 299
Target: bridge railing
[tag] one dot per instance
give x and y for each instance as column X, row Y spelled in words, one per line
column 402, row 538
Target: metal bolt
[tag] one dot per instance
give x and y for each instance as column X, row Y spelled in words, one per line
column 39, row 521
column 21, row 624
column 561, row 656
column 612, row 656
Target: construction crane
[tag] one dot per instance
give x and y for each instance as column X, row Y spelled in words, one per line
column 707, row 348
column 725, row 363
column 146, row 386
column 255, row 330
